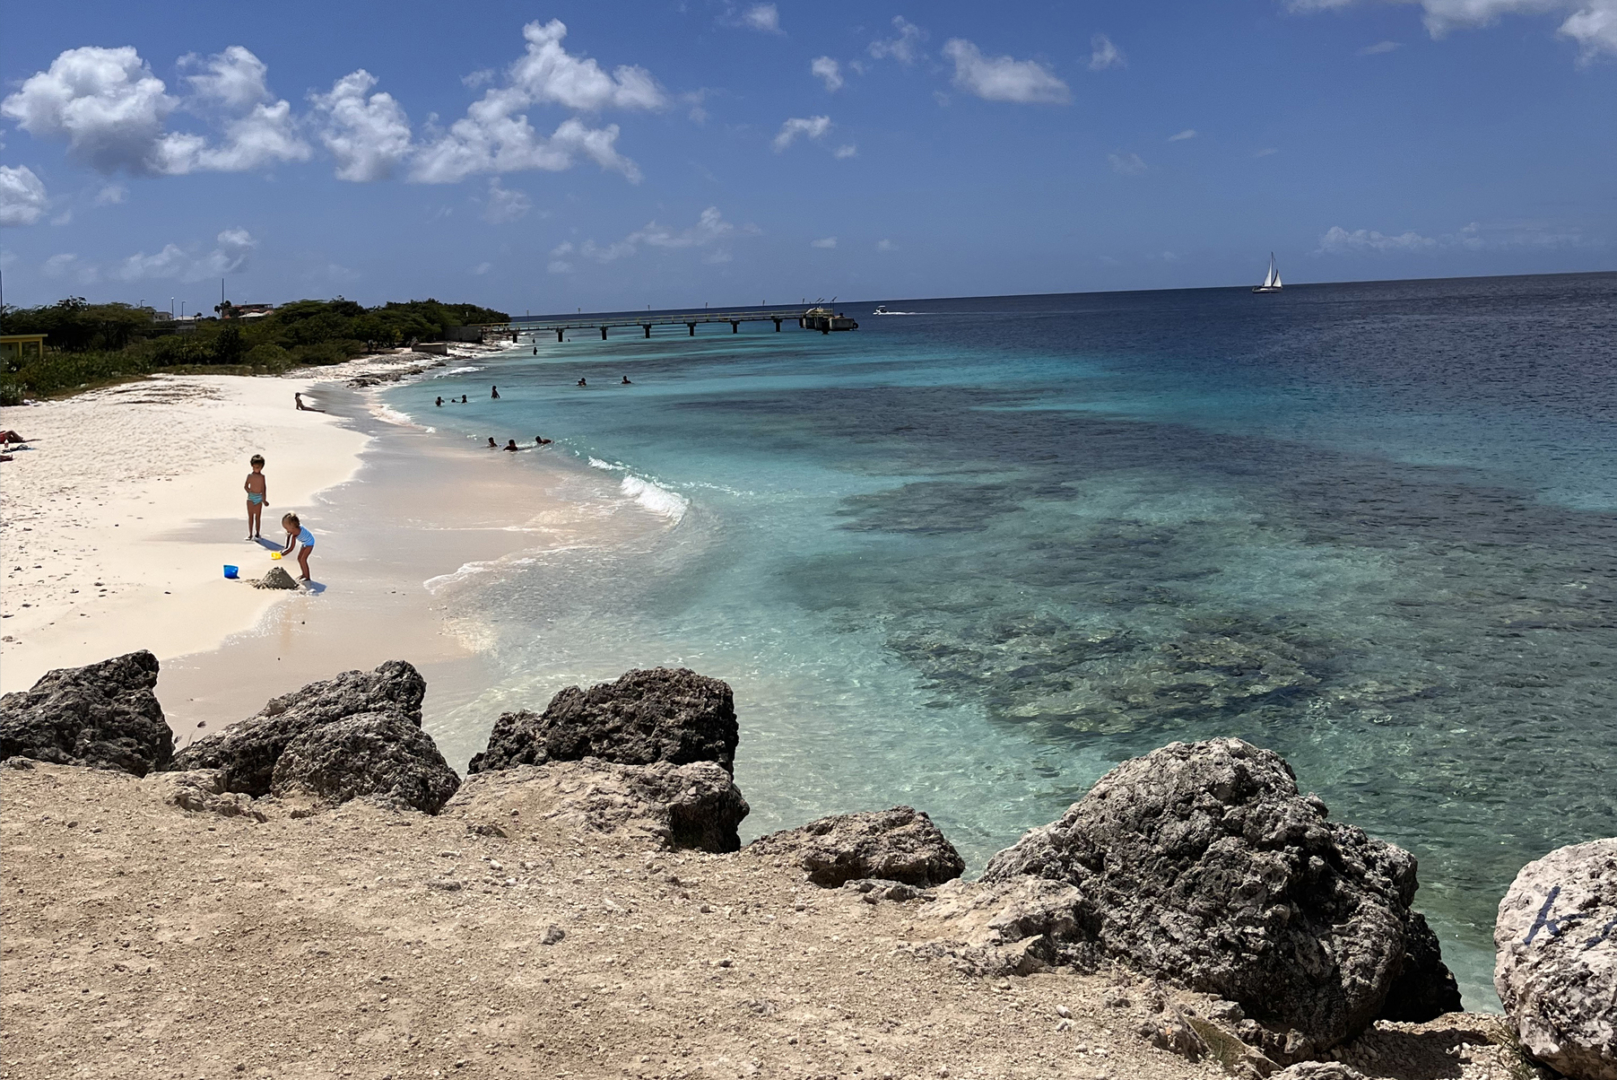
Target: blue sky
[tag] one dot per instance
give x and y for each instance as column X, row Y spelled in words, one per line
column 547, row 157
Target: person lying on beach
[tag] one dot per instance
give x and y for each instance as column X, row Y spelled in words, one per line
column 492, row 445
column 511, row 445
column 297, row 534
column 257, row 488
column 10, row 437
column 495, row 393
column 540, row 440
column 299, row 399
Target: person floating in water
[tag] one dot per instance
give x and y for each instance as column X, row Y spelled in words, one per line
column 511, row 445
column 581, row 382
column 540, row 440
column 626, row 381
column 492, row 445
column 536, row 350
column 494, row 393
column 439, row 402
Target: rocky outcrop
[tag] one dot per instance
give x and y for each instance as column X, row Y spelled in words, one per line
column 1555, row 963
column 1318, row 1070
column 245, row 753
column 200, row 792
column 1204, row 865
column 664, row 714
column 103, row 715
column 696, row 805
column 1425, row 988
column 899, row 845
column 378, row 755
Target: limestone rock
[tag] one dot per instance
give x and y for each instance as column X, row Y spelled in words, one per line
column 245, row 753
column 695, row 805
column 1556, row 959
column 664, row 714
column 277, row 578
column 901, row 844
column 378, row 754
column 1318, row 1070
column 199, row 791
column 103, row 715
column 1203, row 864
column 1424, row 988
column 1013, row 927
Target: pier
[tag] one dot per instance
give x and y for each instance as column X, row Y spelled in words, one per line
column 818, row 318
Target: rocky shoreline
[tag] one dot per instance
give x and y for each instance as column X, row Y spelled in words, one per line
column 1250, row 935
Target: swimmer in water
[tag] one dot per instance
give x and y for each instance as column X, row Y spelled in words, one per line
column 439, row 403
column 495, row 393
column 492, row 445
column 511, row 445
column 581, row 382
column 540, row 440
column 626, row 381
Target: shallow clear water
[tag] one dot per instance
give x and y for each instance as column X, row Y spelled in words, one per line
column 969, row 559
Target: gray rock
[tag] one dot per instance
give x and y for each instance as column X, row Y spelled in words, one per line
column 1555, row 961
column 696, row 805
column 102, row 715
column 1425, row 988
column 901, row 844
column 245, row 753
column 199, row 791
column 1318, row 1070
column 664, row 714
column 1203, row 864
column 380, row 755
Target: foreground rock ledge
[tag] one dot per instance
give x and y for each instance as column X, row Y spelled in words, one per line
column 1556, row 959
column 104, row 715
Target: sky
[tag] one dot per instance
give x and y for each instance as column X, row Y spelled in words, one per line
column 609, row 156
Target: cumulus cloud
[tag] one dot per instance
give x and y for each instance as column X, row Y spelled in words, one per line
column 710, row 232
column 58, row 266
column 1127, row 164
column 495, row 135
column 111, row 195
column 1339, row 241
column 1592, row 24
column 503, row 206
column 482, row 77
column 22, row 196
column 368, row 136
column 1103, row 54
column 1380, row 47
column 905, row 48
column 1001, row 78
column 113, row 113
column 228, row 256
column 762, row 17
column 1473, row 237
column 823, row 67
column 1188, row 133
column 812, row 127
column 824, row 242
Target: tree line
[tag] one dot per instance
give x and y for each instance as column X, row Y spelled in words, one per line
column 92, row 343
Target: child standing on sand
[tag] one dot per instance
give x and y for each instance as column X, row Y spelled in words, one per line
column 257, row 489
column 297, row 534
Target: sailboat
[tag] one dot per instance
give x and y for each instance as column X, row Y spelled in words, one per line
column 1271, row 280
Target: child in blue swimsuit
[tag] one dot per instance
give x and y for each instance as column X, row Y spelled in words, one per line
column 297, row 534
column 257, row 488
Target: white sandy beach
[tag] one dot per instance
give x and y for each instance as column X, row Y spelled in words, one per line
column 94, row 517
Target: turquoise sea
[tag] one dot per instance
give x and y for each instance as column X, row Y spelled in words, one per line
column 969, row 558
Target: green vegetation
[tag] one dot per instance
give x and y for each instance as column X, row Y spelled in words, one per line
column 94, row 344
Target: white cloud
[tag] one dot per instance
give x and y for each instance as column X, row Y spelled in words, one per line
column 495, row 135
column 886, row 245
column 905, row 48
column 59, row 265
column 1127, row 164
column 1170, row 256
column 710, row 232
column 813, row 127
column 64, row 218
column 482, row 268
column 846, row 150
column 113, row 113
column 478, row 78
column 229, row 256
column 111, row 195
column 824, row 242
column 762, row 17
column 1188, row 133
column 1103, row 54
column 1339, row 241
column 1473, row 237
column 1592, row 24
column 828, row 69
column 503, row 205
column 1001, row 78
column 558, row 264
column 369, row 137
column 22, row 195
column 1380, row 47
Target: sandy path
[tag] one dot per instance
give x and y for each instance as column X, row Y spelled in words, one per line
column 94, row 547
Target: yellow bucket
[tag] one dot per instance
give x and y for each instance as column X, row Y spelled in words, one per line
column 275, row 554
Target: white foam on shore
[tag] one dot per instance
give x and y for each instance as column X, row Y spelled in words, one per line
column 393, row 416
column 597, row 463
column 464, row 370
column 656, row 498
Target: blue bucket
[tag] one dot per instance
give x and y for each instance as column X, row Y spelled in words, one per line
column 230, row 571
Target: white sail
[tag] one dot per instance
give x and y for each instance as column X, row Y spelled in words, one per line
column 1276, row 282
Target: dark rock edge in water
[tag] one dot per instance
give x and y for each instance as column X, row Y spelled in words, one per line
column 1201, row 865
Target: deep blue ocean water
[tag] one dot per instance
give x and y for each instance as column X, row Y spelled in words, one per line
column 972, row 557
